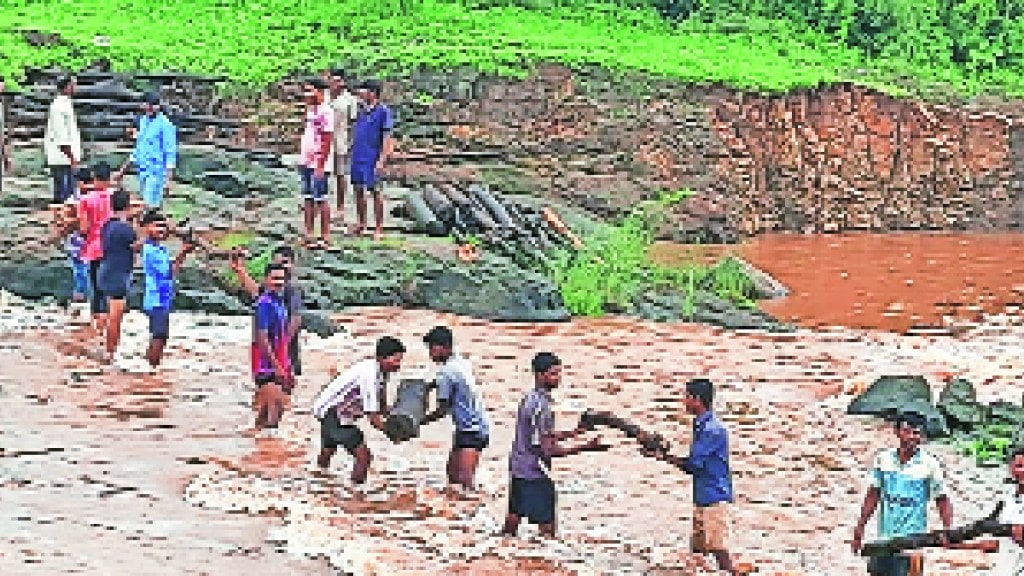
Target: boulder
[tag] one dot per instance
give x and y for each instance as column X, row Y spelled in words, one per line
column 959, row 403
column 1007, row 413
column 508, row 295
column 891, row 395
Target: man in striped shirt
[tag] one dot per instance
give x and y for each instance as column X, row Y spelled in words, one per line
column 457, row 394
column 362, row 389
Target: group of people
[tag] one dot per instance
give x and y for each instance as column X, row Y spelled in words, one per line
column 346, row 135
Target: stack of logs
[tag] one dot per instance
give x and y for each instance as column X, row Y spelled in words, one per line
column 106, row 105
column 521, row 232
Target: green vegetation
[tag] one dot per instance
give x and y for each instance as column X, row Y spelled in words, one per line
column 958, row 46
column 236, row 238
column 989, row 445
column 613, row 268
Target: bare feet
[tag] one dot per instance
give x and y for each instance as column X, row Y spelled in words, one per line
column 355, row 230
column 378, row 234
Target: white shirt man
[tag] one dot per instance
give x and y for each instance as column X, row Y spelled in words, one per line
column 61, row 138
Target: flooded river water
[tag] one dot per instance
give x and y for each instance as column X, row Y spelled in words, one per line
column 107, row 473
column 883, row 281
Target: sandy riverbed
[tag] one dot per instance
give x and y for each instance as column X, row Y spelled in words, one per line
column 110, row 473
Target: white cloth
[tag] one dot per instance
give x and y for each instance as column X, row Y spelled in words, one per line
column 62, row 130
column 1010, row 560
column 346, row 108
column 353, row 393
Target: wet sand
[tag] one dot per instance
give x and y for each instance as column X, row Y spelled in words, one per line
column 110, row 473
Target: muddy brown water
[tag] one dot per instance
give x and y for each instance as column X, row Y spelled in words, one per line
column 882, row 281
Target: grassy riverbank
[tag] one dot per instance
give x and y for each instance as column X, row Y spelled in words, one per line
column 747, row 44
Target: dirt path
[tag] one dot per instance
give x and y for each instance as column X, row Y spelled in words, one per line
column 94, row 465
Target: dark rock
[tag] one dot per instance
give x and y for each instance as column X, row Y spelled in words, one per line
column 892, row 395
column 959, row 403
column 1007, row 413
column 226, row 184
column 510, row 296
column 319, row 323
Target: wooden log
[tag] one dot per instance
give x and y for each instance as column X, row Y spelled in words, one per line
column 425, row 219
column 649, row 440
column 556, row 222
column 404, row 418
column 987, row 526
column 442, row 207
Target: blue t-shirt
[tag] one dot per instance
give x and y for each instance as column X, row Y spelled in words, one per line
column 271, row 316
column 708, row 462
column 156, row 263
column 457, row 385
column 372, row 124
column 117, row 238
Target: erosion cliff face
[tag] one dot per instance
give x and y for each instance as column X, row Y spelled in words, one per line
column 849, row 158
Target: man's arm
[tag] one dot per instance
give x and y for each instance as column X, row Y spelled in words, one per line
column 550, row 447
column 263, row 341
column 866, row 511
column 179, row 261
column 83, row 218
column 64, row 120
column 294, row 313
column 244, row 279
column 170, row 146
column 325, row 146
column 945, row 511
column 443, row 409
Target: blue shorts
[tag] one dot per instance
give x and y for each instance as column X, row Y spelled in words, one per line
column 159, row 322
column 532, row 499
column 151, row 186
column 115, row 285
column 313, row 189
column 81, row 276
column 364, row 175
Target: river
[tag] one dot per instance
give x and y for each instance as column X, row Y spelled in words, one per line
column 892, row 282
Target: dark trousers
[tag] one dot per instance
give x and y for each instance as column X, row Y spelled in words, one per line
column 63, row 183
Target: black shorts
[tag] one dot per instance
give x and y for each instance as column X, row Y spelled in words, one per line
column 532, row 499
column 270, row 378
column 333, row 433
column 898, row 565
column 115, row 285
column 473, row 440
column 159, row 323
column 99, row 299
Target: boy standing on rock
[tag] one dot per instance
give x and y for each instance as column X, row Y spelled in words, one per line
column 271, row 365
column 314, row 152
column 708, row 463
column 346, row 109
column 457, row 394
column 62, row 141
column 372, row 146
column 362, row 389
column 903, row 479
column 160, row 273
column 531, row 491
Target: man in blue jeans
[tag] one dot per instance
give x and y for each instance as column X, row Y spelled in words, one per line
column 155, row 154
column 372, row 146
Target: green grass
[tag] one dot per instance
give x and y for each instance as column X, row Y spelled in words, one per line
column 258, row 42
column 988, row 445
column 613, row 268
column 236, row 238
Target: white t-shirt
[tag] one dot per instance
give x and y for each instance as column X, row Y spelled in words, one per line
column 61, row 130
column 1010, row 560
column 353, row 393
column 346, row 108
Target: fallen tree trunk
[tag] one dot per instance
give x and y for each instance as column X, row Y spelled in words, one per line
column 410, row 407
column 987, row 526
column 649, row 440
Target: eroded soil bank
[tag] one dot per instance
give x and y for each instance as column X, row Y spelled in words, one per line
column 94, row 465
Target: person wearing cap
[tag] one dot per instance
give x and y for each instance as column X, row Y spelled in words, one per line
column 531, row 492
column 372, row 146
column 903, row 480
column 362, row 389
column 155, row 153
column 62, row 142
column 457, row 394
column 6, row 157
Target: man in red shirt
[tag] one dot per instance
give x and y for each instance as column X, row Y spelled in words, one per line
column 93, row 212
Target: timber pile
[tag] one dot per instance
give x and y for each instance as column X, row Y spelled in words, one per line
column 508, row 228
column 403, row 422
column 107, row 104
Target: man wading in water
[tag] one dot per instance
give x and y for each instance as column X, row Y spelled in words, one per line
column 903, row 479
column 291, row 294
column 271, row 365
column 457, row 394
column 362, row 389
column 708, row 462
column 531, row 491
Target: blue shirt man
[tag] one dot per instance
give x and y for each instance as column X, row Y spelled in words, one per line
column 155, row 154
column 156, row 263
column 708, row 462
